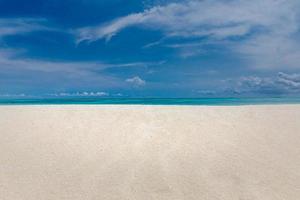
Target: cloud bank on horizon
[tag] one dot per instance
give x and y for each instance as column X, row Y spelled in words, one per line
column 166, row 49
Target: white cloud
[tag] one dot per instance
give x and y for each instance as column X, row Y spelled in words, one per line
column 13, row 95
column 136, row 81
column 206, row 92
column 289, row 80
column 267, row 27
column 283, row 83
column 81, row 94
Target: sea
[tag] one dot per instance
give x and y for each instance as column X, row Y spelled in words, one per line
column 151, row 101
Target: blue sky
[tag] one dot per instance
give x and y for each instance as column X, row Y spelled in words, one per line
column 151, row 48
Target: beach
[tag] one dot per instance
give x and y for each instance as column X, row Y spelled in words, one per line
column 110, row 152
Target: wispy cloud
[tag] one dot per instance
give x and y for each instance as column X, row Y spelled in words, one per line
column 215, row 18
column 10, row 59
column 265, row 28
column 109, row 30
column 271, row 51
column 14, row 26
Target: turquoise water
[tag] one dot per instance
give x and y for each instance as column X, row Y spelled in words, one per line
column 151, row 101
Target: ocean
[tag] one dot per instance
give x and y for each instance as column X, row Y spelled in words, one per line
column 151, row 101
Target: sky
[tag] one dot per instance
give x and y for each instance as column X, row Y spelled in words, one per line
column 150, row 48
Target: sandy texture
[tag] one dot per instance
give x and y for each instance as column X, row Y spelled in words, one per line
column 149, row 152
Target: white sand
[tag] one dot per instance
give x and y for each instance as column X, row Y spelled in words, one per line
column 149, row 152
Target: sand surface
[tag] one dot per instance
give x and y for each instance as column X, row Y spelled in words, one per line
column 150, row 152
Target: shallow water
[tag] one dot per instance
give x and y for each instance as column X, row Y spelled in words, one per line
column 151, row 101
